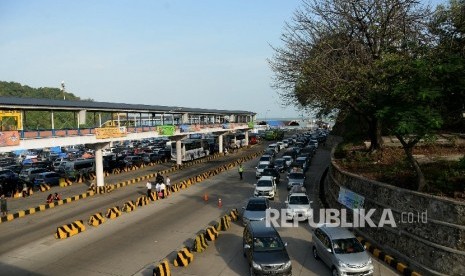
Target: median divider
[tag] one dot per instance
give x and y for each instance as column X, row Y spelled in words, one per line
column 162, row 269
column 69, row 230
column 128, row 206
column 184, row 257
column 96, row 219
column 113, row 212
column 200, row 243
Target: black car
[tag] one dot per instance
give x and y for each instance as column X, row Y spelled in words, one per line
column 8, row 175
column 272, row 172
column 280, row 164
column 265, row 251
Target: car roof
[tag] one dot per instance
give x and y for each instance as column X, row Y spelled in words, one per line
column 257, row 199
column 266, row 177
column 260, row 229
column 46, row 173
column 337, row 232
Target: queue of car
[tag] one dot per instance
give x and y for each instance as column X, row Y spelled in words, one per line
column 264, row 249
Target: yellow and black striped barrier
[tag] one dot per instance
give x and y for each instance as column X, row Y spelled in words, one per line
column 224, row 223
column 113, row 212
column 211, row 233
column 184, row 257
column 44, row 187
column 69, row 230
column 142, row 201
column 128, row 206
column 96, row 220
column 200, row 243
column 163, row 269
column 234, row 214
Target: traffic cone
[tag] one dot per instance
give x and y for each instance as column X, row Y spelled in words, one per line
column 205, row 197
column 220, row 204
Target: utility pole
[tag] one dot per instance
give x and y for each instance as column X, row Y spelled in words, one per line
column 63, row 89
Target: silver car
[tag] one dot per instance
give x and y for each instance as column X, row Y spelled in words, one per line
column 295, row 179
column 338, row 248
column 255, row 209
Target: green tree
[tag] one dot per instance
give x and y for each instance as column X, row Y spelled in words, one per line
column 330, row 49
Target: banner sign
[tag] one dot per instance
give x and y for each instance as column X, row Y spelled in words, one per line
column 110, row 132
column 350, row 199
column 190, row 128
column 9, row 138
column 166, row 130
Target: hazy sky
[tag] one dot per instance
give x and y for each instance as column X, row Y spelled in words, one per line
column 191, row 53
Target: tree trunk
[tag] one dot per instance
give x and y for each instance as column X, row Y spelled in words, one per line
column 421, row 181
column 374, row 132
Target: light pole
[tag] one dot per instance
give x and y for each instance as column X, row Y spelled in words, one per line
column 63, row 89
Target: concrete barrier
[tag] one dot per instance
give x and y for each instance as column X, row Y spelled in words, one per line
column 69, row 230
column 96, row 219
column 184, row 257
column 200, row 243
column 113, row 212
column 128, row 206
column 162, row 269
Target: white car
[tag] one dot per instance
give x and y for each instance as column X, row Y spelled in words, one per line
column 265, row 187
column 261, row 166
column 288, row 159
column 298, row 206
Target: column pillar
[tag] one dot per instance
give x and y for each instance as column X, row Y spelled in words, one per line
column 220, row 143
column 178, row 153
column 246, row 138
column 99, row 161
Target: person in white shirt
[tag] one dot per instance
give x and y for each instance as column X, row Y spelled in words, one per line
column 168, row 183
column 163, row 190
column 149, row 188
column 157, row 187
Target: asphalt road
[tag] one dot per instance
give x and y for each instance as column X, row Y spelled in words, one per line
column 133, row 243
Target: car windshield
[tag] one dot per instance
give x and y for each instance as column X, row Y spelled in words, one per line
column 264, row 183
column 296, row 176
column 267, row 243
column 287, row 158
column 279, row 161
column 347, row 246
column 300, row 200
column 262, row 166
column 256, row 206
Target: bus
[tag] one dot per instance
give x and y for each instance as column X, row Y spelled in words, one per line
column 191, row 149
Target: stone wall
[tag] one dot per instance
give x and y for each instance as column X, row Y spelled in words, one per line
column 429, row 231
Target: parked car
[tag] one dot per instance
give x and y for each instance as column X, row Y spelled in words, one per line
column 265, row 187
column 255, row 209
column 50, row 178
column 8, row 175
column 30, row 174
column 339, row 249
column 133, row 160
column 265, row 251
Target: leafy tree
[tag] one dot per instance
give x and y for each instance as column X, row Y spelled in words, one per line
column 330, row 50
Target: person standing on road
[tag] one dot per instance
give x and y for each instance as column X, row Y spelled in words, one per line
column 168, row 183
column 3, row 206
column 163, row 190
column 240, row 170
column 149, row 188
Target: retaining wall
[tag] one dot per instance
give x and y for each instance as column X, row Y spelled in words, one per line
column 429, row 234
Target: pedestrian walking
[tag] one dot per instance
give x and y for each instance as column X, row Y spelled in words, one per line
column 240, row 170
column 149, row 188
column 3, row 206
column 157, row 189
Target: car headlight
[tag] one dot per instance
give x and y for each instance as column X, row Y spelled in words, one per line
column 369, row 262
column 287, row 265
column 342, row 264
column 256, row 266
